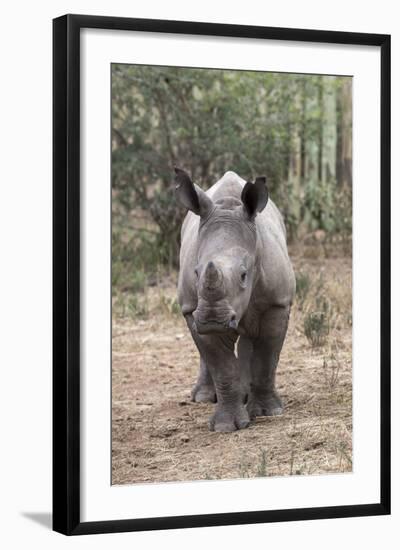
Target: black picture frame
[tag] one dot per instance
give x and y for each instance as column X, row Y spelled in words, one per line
column 66, row 273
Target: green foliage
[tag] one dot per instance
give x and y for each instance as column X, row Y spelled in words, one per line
column 244, row 466
column 331, row 369
column 262, row 467
column 131, row 305
column 319, row 206
column 317, row 323
column 169, row 305
column 303, row 284
column 208, row 121
column 249, row 468
column 136, row 258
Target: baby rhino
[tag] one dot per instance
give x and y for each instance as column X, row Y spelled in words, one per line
column 236, row 285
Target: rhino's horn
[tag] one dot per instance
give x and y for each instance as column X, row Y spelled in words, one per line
column 212, row 276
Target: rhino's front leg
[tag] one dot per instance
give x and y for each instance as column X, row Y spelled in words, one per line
column 230, row 413
column 217, row 350
column 204, row 389
column 264, row 399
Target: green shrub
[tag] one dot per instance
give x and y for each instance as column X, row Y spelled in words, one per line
column 317, row 324
column 262, row 467
column 331, row 368
column 137, row 307
column 131, row 305
column 169, row 305
column 303, row 285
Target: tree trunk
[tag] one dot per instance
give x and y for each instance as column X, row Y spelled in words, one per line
column 321, row 110
column 329, row 129
column 344, row 146
column 295, row 157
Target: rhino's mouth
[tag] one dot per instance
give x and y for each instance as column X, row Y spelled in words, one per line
column 210, row 327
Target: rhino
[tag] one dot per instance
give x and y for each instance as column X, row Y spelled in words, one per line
column 235, row 289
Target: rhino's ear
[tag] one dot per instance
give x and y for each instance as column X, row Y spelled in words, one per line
column 190, row 195
column 255, row 197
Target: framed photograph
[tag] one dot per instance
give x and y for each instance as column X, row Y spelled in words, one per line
column 221, row 274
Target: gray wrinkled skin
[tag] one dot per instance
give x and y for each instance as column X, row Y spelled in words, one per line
column 236, row 285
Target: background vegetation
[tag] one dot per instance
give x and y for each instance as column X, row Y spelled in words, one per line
column 295, row 129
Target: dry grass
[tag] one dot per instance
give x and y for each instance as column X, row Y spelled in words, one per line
column 159, row 435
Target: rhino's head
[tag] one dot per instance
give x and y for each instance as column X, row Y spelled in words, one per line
column 225, row 272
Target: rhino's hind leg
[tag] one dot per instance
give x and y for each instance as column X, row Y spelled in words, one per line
column 204, row 390
column 264, row 399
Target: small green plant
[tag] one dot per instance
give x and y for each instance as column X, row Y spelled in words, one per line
column 292, row 457
column 138, row 281
column 303, row 284
column 137, row 307
column 317, row 323
column 331, row 368
column 244, row 467
column 319, row 288
column 128, row 305
column 169, row 305
column 262, row 467
column 343, row 451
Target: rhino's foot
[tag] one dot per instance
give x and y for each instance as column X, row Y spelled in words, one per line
column 227, row 421
column 267, row 405
column 204, row 393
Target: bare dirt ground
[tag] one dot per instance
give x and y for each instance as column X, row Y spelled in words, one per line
column 159, row 435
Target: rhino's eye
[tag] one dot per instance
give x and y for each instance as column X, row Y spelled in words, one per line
column 243, row 277
column 196, row 273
